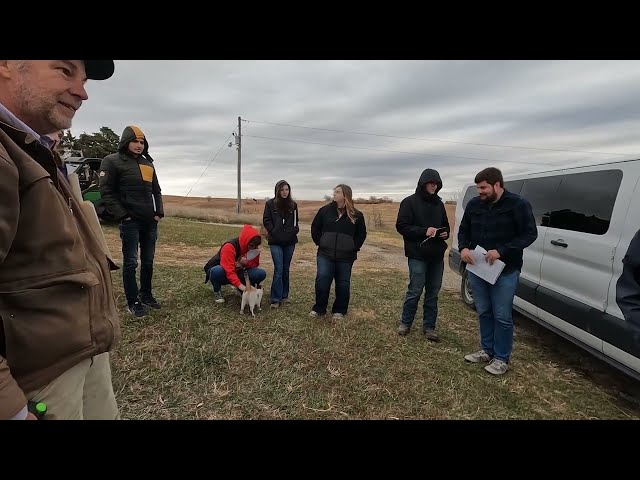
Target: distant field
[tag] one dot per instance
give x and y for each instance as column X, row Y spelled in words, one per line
column 381, row 216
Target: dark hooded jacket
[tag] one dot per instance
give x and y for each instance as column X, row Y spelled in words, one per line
column 628, row 285
column 281, row 225
column 129, row 186
column 417, row 213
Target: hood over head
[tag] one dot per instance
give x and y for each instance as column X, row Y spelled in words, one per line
column 429, row 175
column 280, row 184
column 246, row 234
column 130, row 133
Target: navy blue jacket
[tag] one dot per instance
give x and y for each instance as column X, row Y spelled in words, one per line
column 507, row 226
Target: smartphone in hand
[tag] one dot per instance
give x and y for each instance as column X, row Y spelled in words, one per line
column 439, row 231
column 435, row 235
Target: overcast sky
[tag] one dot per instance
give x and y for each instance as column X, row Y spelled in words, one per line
column 187, row 109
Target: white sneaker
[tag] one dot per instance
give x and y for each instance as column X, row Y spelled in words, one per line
column 478, row 357
column 337, row 316
column 497, row 367
column 313, row 313
column 218, row 297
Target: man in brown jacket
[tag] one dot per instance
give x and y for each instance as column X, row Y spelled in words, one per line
column 58, row 318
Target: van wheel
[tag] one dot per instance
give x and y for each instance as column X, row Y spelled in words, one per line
column 465, row 291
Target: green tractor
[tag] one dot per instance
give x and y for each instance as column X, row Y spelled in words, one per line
column 88, row 170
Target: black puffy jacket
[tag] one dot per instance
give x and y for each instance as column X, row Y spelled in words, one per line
column 338, row 238
column 129, row 185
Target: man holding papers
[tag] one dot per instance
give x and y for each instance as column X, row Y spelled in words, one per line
column 496, row 227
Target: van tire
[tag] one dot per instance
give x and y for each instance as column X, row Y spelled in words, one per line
column 465, row 291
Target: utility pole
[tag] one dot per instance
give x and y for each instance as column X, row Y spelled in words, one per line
column 239, row 142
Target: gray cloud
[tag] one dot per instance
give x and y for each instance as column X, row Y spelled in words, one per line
column 188, row 108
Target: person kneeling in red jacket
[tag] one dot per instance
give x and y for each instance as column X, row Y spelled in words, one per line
column 235, row 256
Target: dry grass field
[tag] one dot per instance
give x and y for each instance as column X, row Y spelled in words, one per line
column 195, row 359
column 378, row 216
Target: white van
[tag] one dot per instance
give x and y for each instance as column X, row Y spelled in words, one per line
column 586, row 219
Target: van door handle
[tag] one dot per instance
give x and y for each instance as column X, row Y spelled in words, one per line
column 559, row 243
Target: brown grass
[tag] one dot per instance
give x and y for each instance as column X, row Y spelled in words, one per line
column 213, row 215
column 195, row 359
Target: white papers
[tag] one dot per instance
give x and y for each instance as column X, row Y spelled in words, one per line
column 482, row 268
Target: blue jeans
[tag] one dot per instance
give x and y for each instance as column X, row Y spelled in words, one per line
column 132, row 234
column 218, row 277
column 281, row 256
column 427, row 275
column 494, row 304
column 328, row 270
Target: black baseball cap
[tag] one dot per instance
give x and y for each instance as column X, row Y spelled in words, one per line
column 99, row 69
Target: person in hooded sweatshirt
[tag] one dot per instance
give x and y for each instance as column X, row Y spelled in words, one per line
column 280, row 219
column 131, row 193
column 234, row 257
column 419, row 218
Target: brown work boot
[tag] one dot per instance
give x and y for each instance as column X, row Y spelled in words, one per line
column 431, row 335
column 403, row 329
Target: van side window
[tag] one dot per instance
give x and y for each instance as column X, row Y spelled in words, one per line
column 584, row 202
column 541, row 193
column 471, row 192
column 514, row 186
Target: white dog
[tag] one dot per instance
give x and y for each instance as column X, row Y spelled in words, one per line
column 251, row 296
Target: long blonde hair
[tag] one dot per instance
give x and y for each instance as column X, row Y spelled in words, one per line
column 348, row 201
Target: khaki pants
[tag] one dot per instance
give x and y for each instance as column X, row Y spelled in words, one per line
column 83, row 392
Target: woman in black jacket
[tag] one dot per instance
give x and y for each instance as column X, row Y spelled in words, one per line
column 280, row 219
column 339, row 230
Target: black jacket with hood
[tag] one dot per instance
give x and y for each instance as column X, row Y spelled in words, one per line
column 628, row 285
column 417, row 213
column 336, row 236
column 129, row 186
column 282, row 226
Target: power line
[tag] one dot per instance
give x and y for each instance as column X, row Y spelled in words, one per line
column 440, row 140
column 398, row 151
column 208, row 165
column 214, row 157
